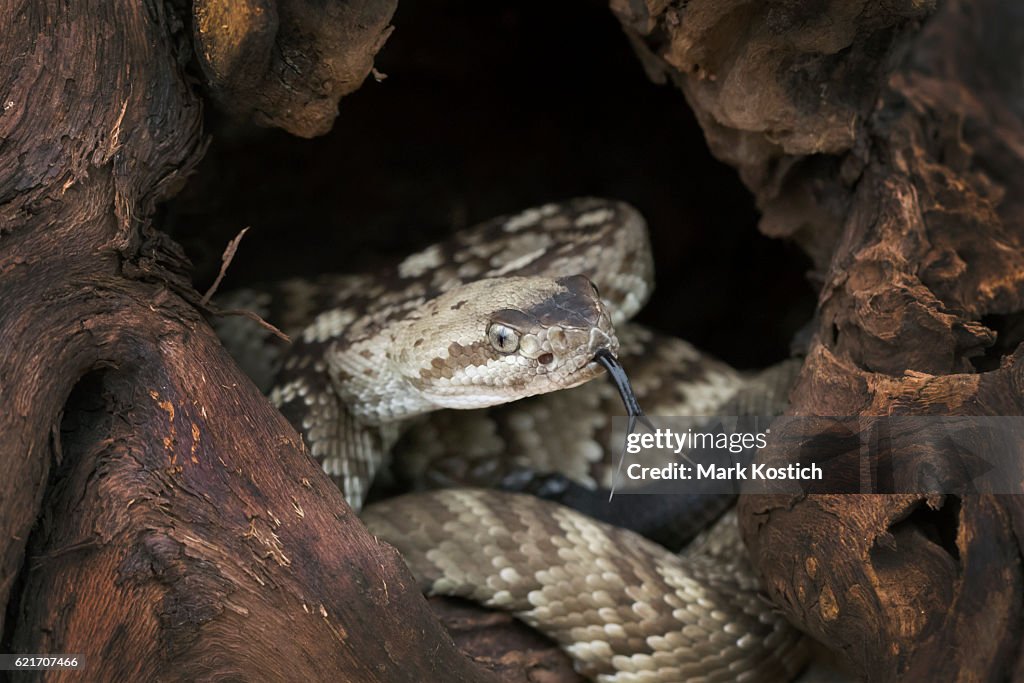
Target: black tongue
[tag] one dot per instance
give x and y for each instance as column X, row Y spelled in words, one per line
column 621, row 382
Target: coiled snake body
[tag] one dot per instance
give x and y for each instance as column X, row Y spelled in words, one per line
column 518, row 307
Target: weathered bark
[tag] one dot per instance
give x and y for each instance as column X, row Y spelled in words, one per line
column 892, row 149
column 497, row 640
column 285, row 63
column 782, row 90
column 184, row 532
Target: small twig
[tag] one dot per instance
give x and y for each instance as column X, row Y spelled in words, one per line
column 225, row 261
column 252, row 316
column 228, row 256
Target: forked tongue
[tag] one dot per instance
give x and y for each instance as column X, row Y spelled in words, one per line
column 621, row 382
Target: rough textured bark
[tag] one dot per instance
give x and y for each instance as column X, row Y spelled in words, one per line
column 184, row 533
column 888, row 141
column 285, row 63
column 498, row 641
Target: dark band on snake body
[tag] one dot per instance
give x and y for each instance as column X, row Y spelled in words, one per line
column 669, row 520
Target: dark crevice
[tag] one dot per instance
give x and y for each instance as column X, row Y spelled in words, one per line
column 84, row 419
column 489, row 108
column 1009, row 331
column 940, row 526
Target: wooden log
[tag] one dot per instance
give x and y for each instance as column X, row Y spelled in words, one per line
column 286, row 63
column 157, row 515
column 888, row 143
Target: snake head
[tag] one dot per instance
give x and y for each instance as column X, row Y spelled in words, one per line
column 498, row 340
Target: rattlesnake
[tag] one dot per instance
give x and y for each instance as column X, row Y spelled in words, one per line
column 516, row 307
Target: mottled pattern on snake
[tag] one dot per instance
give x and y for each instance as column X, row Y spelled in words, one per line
column 373, row 351
column 625, row 609
column 701, row 617
column 574, row 431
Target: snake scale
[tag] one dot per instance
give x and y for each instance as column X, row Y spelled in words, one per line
column 522, row 306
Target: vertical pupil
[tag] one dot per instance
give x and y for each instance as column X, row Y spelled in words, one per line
column 503, row 338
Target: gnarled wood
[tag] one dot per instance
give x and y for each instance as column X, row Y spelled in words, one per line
column 285, row 63
column 889, row 144
column 184, row 532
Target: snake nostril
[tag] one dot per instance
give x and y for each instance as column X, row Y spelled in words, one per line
column 545, row 358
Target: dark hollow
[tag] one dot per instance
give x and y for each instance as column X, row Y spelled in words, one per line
column 490, row 108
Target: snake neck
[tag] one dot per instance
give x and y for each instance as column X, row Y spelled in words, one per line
column 373, row 392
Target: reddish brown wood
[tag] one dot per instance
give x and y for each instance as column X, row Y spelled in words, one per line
column 504, row 645
column 285, row 63
column 173, row 527
column 890, row 144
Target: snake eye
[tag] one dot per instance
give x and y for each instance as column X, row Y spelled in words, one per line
column 503, row 339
